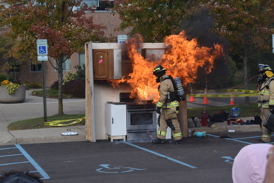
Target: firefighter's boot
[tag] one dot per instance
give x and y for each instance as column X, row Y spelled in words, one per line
column 176, row 141
column 265, row 138
column 159, row 141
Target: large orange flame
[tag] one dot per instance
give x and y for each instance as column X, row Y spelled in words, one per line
column 182, row 59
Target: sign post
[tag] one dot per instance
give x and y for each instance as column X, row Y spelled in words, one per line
column 42, row 55
column 272, row 43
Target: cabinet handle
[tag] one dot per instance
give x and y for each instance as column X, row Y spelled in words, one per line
column 112, row 120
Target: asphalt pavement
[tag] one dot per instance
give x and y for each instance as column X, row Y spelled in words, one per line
column 33, row 107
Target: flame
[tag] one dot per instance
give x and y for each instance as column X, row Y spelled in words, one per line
column 182, row 59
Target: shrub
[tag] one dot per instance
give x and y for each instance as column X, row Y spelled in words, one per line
column 79, row 74
column 2, row 77
column 30, row 85
column 54, row 85
column 76, row 88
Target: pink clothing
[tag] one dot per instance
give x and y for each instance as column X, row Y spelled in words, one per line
column 250, row 163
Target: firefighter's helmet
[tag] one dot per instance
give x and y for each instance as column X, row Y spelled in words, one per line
column 159, row 70
column 264, row 67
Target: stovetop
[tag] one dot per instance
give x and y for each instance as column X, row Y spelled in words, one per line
column 144, row 107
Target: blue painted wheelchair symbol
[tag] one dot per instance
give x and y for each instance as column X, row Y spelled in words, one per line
column 42, row 50
column 228, row 159
column 106, row 168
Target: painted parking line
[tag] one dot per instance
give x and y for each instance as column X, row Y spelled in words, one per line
column 33, row 162
column 158, row 154
column 238, row 139
column 29, row 160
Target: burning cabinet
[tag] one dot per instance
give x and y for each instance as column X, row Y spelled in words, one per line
column 107, row 64
column 116, row 120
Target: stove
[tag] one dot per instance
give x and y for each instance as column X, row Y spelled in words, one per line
column 136, row 121
column 141, row 122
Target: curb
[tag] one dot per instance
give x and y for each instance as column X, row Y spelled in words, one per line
column 45, row 135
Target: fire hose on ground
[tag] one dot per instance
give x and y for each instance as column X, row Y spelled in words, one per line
column 65, row 122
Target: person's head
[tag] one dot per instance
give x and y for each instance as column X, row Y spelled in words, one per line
column 159, row 71
column 249, row 164
column 265, row 71
column 19, row 177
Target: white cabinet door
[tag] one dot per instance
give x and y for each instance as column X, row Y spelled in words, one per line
column 116, row 119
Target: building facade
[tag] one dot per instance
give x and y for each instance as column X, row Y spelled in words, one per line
column 32, row 73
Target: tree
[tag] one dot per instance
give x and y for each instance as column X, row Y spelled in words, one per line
column 152, row 19
column 247, row 25
column 7, row 62
column 66, row 30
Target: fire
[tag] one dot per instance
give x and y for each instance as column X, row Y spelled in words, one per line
column 182, row 59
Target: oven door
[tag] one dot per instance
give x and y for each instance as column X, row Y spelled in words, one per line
column 141, row 121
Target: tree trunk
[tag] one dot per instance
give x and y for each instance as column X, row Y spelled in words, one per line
column 60, row 80
column 247, row 100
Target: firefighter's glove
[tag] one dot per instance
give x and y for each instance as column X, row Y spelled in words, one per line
column 158, row 110
column 271, row 108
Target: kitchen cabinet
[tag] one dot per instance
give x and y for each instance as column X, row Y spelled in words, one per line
column 103, row 64
column 116, row 120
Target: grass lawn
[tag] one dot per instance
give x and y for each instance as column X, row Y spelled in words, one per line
column 39, row 122
column 247, row 110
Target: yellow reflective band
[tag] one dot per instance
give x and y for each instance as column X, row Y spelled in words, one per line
column 265, row 92
column 157, row 69
column 271, row 102
column 265, row 105
column 161, row 133
column 177, row 134
column 266, row 136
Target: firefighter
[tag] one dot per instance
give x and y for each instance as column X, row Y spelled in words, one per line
column 167, row 108
column 265, row 97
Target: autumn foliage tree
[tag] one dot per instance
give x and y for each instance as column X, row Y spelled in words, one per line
column 153, row 19
column 248, row 25
column 65, row 29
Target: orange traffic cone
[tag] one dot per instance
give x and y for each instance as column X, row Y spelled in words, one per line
column 191, row 98
column 205, row 98
column 231, row 100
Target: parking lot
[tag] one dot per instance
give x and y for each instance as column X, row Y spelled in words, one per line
column 208, row 159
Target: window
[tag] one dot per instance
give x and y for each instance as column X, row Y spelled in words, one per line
column 35, row 67
column 97, row 4
column 106, row 4
column 66, row 64
column 90, row 3
column 82, row 59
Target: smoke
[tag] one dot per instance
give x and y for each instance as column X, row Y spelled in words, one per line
column 200, row 27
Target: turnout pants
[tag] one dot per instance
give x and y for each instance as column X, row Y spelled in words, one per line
column 169, row 118
column 263, row 115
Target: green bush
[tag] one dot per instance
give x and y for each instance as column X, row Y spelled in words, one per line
column 76, row 88
column 2, row 77
column 79, row 74
column 30, row 85
column 54, row 85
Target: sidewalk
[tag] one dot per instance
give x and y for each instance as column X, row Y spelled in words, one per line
column 33, row 108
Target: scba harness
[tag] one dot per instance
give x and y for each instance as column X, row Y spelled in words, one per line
column 172, row 96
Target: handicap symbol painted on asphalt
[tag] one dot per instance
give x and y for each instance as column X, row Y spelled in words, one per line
column 106, row 168
column 228, row 159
